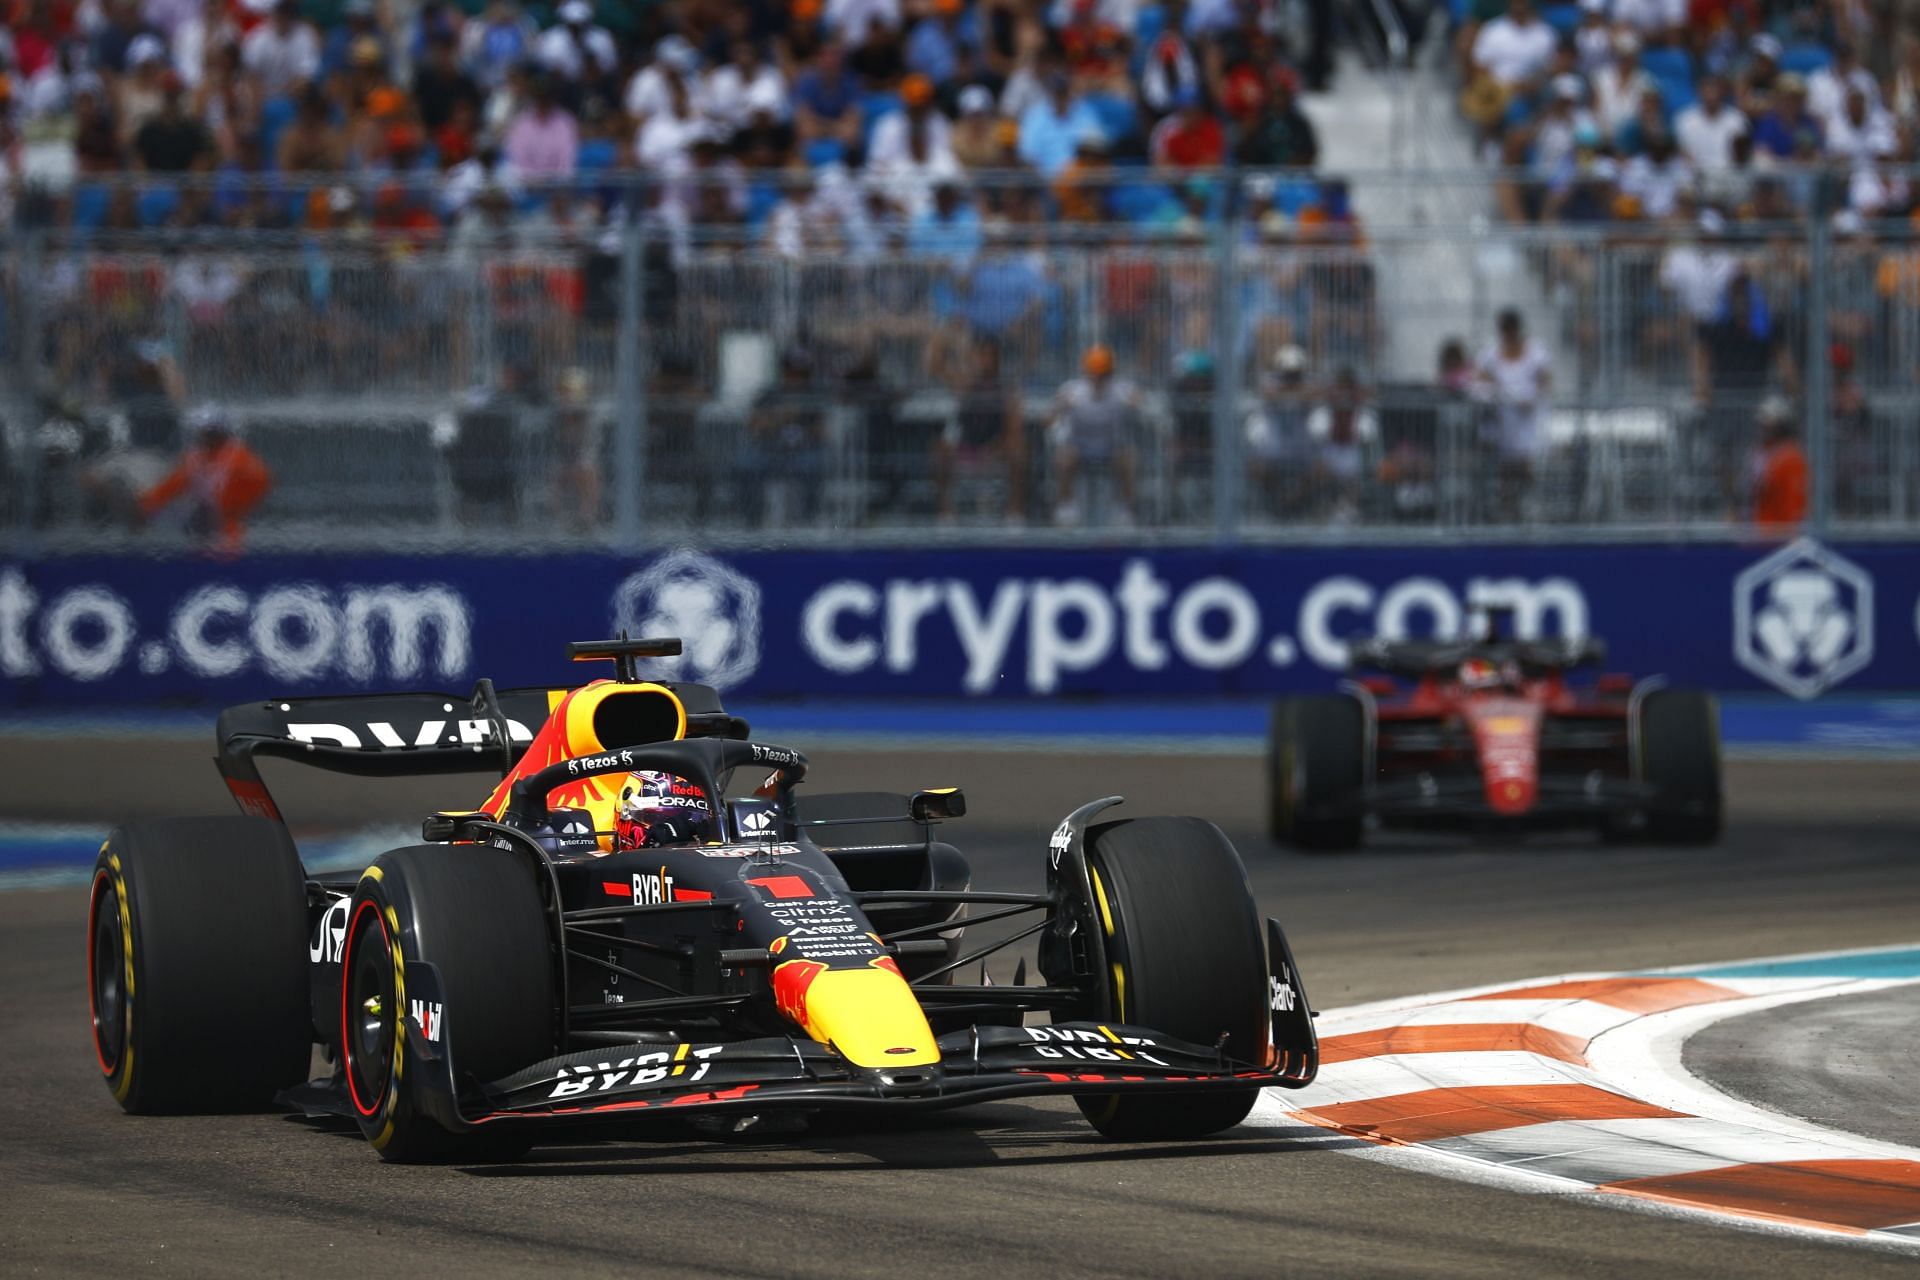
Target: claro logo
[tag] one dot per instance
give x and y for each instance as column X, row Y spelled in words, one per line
column 296, row 631
column 1214, row 623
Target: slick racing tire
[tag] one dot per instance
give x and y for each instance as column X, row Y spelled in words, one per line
column 1316, row 767
column 1680, row 759
column 475, row 915
column 197, row 965
column 1186, row 958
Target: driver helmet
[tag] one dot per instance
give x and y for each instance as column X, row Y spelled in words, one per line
column 1478, row 673
column 663, row 811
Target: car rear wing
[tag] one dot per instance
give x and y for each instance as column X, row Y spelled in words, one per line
column 386, row 735
column 1416, row 658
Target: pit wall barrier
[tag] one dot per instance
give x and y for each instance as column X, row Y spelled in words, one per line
column 98, row 633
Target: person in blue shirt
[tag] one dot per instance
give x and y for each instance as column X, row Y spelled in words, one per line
column 948, row 229
column 1051, row 128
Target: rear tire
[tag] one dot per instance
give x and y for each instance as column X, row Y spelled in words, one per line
column 476, row 915
column 1183, row 941
column 197, row 965
column 1680, row 758
column 1316, row 767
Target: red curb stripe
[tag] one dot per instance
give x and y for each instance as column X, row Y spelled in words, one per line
column 1860, row 1194
column 1467, row 1037
column 1432, row 1114
column 1635, row 995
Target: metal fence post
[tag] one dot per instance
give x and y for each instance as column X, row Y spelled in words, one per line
column 630, row 416
column 1226, row 369
column 1817, row 387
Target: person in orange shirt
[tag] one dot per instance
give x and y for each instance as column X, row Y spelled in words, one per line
column 220, row 476
column 1779, row 470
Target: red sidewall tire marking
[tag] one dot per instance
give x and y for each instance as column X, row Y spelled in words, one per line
column 346, row 1035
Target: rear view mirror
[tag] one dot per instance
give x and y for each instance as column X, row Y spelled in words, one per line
column 937, row 803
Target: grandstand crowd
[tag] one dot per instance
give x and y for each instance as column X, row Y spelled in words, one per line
column 1749, row 110
column 810, row 120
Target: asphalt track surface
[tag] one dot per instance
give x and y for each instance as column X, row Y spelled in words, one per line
column 1816, row 857
column 1845, row 1063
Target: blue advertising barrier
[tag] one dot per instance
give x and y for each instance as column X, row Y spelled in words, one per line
column 79, row 632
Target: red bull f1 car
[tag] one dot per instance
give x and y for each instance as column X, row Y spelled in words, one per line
column 645, row 921
column 1493, row 736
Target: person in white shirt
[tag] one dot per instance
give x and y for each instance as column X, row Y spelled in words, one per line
column 574, row 48
column 1619, row 86
column 1863, row 131
column 1658, row 178
column 849, row 19
column 284, row 52
column 743, row 87
column 1696, row 271
column 1706, row 129
column 1657, row 20
column 1553, row 137
column 1516, row 48
column 1827, row 88
column 889, row 144
column 650, row 92
column 1593, row 38
column 665, row 142
column 1514, row 377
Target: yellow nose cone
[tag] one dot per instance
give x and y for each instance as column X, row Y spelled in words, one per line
column 868, row 1014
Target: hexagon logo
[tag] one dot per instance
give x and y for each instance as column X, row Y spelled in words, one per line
column 714, row 609
column 1803, row 618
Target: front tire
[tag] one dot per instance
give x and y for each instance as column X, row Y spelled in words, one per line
column 475, row 914
column 1185, row 956
column 197, row 965
column 1316, row 769
column 1680, row 759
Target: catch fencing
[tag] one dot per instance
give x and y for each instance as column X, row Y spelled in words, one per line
column 515, row 384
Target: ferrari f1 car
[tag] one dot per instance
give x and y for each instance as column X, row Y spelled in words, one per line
column 1493, row 735
column 624, row 935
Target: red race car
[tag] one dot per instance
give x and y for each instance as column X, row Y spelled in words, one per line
column 1493, row 735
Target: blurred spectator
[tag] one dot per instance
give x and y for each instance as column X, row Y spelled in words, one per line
column 1787, row 131
column 543, row 142
column 787, row 434
column 1619, row 86
column 221, row 479
column 578, row 441
column 1168, row 72
column 1862, row 131
column 1279, row 449
column 1514, row 376
column 917, row 133
column 1658, row 178
column 173, row 141
column 1280, row 136
column 1346, row 441
column 827, row 101
column 650, row 91
column 1190, row 138
column 948, row 229
column 1096, row 418
column 145, row 387
column 934, row 45
column 496, row 42
column 1828, row 87
column 1779, row 470
column 283, row 52
column 1053, row 126
column 1739, row 351
column 744, row 87
column 975, row 136
column 1707, row 129
column 1515, row 49
column 483, row 444
column 441, row 85
column 578, row 51
column 985, row 440
column 312, row 143
column 358, row 38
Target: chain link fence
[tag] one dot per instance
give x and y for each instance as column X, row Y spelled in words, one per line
column 508, row 384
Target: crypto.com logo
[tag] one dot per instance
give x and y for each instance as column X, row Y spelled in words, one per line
column 1803, row 618
column 714, row 610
